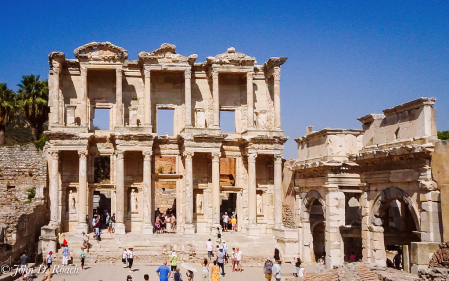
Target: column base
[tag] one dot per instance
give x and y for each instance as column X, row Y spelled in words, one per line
column 49, row 239
column 252, row 230
column 82, row 227
column 189, row 228
column 120, row 228
column 147, row 229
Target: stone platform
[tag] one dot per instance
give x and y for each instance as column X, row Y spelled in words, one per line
column 151, row 249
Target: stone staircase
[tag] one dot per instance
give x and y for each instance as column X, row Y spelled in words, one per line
column 153, row 249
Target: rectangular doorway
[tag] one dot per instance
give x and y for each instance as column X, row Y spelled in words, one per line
column 102, row 205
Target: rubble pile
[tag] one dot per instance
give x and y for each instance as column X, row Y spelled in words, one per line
column 287, row 217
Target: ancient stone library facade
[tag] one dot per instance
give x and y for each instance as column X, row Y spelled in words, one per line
column 373, row 190
column 198, row 170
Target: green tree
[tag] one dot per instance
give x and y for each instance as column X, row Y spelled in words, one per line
column 7, row 109
column 33, row 101
column 443, row 135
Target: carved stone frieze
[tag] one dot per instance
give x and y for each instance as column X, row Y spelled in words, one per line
column 232, row 57
column 166, row 54
column 100, row 51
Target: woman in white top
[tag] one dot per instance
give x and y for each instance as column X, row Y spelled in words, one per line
column 205, row 273
column 124, row 257
column 168, row 223
column 130, row 259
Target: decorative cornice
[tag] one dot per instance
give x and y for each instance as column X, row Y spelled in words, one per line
column 100, row 51
column 166, row 54
column 231, row 57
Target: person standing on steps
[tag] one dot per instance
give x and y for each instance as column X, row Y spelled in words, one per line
column 209, row 248
column 82, row 257
column 108, row 222
column 86, row 241
column 225, row 221
column 218, row 235
column 130, row 258
column 65, row 255
column 220, row 260
column 173, row 261
column 277, row 270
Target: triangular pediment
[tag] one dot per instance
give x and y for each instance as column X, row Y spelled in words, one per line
column 100, row 51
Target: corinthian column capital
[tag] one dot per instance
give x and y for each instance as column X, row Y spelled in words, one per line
column 120, row 154
column 54, row 154
column 83, row 154
column 188, row 155
column 119, row 72
column 216, row 156
column 83, row 70
column 252, row 158
column 277, row 73
column 278, row 158
column 147, row 73
column 147, row 155
column 188, row 73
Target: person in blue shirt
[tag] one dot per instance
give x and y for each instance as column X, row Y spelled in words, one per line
column 163, row 272
column 65, row 255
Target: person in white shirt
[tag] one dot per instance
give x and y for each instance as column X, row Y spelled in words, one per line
column 209, row 248
column 277, row 270
column 124, row 257
column 130, row 258
column 239, row 259
column 225, row 221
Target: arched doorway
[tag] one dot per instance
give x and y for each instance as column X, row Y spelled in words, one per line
column 394, row 210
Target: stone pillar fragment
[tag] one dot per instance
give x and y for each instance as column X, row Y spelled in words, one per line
column 147, row 227
column 252, row 195
column 82, row 192
column 147, row 100
column 119, row 97
column 54, row 188
column 378, row 254
column 189, row 227
column 216, row 99
column 277, row 98
column 431, row 231
column 250, row 99
column 120, row 191
column 83, row 112
column 335, row 217
column 188, row 97
column 216, row 189
column 278, row 192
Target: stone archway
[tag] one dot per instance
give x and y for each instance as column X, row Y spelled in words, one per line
column 313, row 214
column 393, row 225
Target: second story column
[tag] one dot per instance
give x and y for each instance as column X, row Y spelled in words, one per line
column 250, row 99
column 252, row 196
column 83, row 109
column 82, row 192
column 55, row 95
column 120, row 193
column 277, row 98
column 216, row 189
column 147, row 100
column 278, row 192
column 147, row 198
column 119, row 97
column 216, row 99
column 189, row 228
column 54, row 187
column 188, row 96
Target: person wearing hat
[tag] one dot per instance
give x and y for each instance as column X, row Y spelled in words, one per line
column 48, row 260
column 268, row 269
column 173, row 261
column 129, row 278
column 225, row 221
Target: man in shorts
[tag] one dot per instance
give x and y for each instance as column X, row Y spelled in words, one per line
column 225, row 221
column 86, row 241
column 209, row 248
column 268, row 269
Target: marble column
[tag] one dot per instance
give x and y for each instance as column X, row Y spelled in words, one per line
column 216, row 189
column 147, row 100
column 119, row 97
column 82, row 192
column 278, row 192
column 83, row 112
column 216, row 98
column 335, row 217
column 252, row 195
column 147, row 202
column 188, row 97
column 250, row 99
column 55, row 95
column 54, row 188
column 120, row 191
column 189, row 227
column 277, row 98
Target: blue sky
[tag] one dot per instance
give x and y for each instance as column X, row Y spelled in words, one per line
column 346, row 59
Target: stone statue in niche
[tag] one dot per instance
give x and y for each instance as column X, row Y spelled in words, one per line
column 259, row 204
column 72, row 202
column 261, row 120
column 133, row 200
column 199, row 203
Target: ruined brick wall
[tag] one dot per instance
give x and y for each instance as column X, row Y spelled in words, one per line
column 21, row 168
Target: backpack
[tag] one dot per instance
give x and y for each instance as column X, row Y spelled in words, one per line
column 268, row 267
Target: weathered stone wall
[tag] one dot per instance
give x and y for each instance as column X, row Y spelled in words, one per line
column 22, row 168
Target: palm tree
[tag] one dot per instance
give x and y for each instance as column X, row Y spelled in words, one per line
column 7, row 109
column 33, row 100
